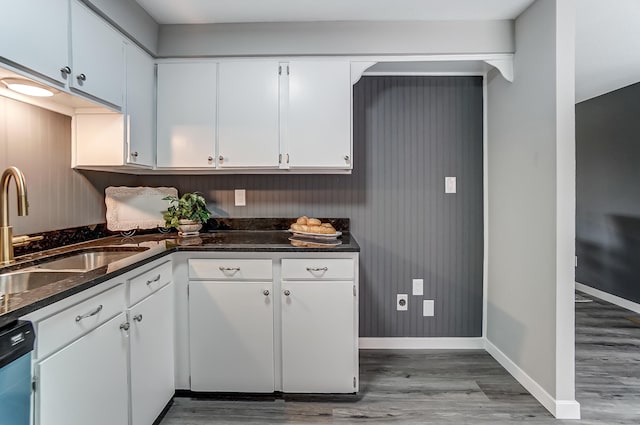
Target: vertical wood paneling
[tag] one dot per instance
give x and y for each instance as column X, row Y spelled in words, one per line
column 409, row 133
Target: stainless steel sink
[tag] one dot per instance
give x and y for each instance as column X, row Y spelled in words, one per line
column 12, row 283
column 90, row 259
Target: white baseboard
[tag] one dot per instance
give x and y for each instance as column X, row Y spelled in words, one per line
column 421, row 343
column 561, row 409
column 610, row 298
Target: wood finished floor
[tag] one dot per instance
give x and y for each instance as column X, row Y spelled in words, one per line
column 458, row 387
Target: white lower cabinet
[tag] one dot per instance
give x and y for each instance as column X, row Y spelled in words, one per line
column 318, row 350
column 231, row 334
column 151, row 355
column 85, row 382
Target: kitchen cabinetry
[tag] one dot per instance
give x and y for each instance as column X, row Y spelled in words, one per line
column 110, row 139
column 242, row 322
column 186, row 114
column 319, row 298
column 248, row 129
column 151, row 355
column 98, row 56
column 231, row 325
column 83, row 381
column 34, row 35
column 319, row 115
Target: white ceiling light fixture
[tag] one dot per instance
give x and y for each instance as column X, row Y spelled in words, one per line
column 28, row 87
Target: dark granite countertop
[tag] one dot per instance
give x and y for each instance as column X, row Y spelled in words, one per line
column 13, row 306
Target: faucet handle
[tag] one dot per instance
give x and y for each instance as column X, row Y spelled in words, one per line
column 25, row 240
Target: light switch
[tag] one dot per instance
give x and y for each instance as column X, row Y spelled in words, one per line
column 450, row 185
column 241, row 198
column 418, row 287
column 427, row 308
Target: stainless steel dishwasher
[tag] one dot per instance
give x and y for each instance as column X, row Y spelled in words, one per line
column 16, row 344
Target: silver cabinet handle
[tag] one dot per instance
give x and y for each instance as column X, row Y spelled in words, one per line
column 220, row 158
column 229, row 269
column 134, row 154
column 65, row 70
column 210, row 159
column 82, row 77
column 266, row 292
column 137, row 318
column 91, row 313
column 287, row 158
column 346, row 157
column 155, row 279
column 317, row 269
column 287, row 292
column 124, row 326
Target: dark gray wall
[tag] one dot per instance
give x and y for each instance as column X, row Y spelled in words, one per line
column 409, row 133
column 608, row 192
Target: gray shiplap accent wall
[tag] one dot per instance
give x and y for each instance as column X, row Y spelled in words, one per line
column 38, row 142
column 409, row 133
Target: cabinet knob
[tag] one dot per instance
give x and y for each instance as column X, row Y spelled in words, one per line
column 346, row 157
column 210, row 159
column 266, row 292
column 65, row 70
column 124, row 326
column 82, row 77
column 134, row 154
column 220, row 158
column 137, row 318
column 287, row 292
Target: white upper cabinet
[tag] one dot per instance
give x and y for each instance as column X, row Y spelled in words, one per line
column 98, row 56
column 140, row 105
column 186, row 118
column 319, row 115
column 248, row 130
column 34, row 35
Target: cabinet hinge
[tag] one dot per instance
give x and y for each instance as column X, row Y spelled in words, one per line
column 354, row 382
column 279, row 69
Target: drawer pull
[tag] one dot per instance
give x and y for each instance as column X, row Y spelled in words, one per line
column 91, row 313
column 155, row 279
column 317, row 269
column 229, row 269
column 266, row 292
column 137, row 318
column 287, row 292
column 125, row 326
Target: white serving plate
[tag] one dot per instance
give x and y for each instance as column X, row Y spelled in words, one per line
column 132, row 208
column 316, row 235
column 321, row 242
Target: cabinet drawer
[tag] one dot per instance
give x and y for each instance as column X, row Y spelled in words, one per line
column 148, row 282
column 317, row 268
column 215, row 269
column 62, row 328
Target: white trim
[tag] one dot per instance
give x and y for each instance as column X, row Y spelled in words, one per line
column 421, row 343
column 485, row 203
column 610, row 298
column 561, row 409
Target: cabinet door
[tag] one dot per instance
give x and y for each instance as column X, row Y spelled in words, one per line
column 34, row 34
column 186, row 129
column 98, row 56
column 141, row 87
column 231, row 336
column 248, row 114
column 319, row 120
column 86, row 382
column 318, row 337
column 152, row 356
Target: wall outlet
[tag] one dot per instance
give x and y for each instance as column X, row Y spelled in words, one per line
column 402, row 303
column 418, row 287
column 427, row 308
column 240, row 197
column 450, row 185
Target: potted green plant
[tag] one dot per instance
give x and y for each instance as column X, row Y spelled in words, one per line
column 186, row 213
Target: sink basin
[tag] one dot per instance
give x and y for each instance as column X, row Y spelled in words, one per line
column 15, row 282
column 89, row 259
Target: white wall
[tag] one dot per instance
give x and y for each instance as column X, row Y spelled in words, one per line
column 336, row 38
column 131, row 19
column 531, row 193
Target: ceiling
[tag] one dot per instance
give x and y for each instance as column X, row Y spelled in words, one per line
column 230, row 11
column 607, row 32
